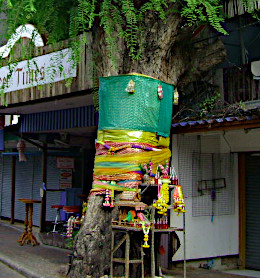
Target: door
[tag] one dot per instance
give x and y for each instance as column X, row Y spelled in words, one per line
column 253, row 211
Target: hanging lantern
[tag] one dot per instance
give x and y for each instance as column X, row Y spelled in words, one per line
column 21, row 148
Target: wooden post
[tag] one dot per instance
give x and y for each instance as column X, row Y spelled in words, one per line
column 152, row 247
column 112, row 255
column 127, row 253
column 13, row 189
column 184, row 247
column 44, row 186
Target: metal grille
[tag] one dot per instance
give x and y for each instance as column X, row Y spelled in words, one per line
column 187, row 145
column 212, row 184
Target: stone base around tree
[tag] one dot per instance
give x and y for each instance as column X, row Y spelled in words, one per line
column 54, row 239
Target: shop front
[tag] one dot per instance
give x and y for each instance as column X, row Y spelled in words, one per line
column 55, row 123
column 69, row 160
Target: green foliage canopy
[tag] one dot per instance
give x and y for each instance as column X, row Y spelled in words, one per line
column 58, row 20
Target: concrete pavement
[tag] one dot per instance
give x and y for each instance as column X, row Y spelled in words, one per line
column 7, row 272
column 36, row 262
column 52, row 262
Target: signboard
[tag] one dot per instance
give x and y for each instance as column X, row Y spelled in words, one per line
column 41, row 70
column 65, row 178
column 65, row 162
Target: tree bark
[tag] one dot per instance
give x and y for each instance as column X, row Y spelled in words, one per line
column 166, row 55
column 91, row 254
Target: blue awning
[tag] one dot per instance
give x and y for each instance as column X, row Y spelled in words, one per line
column 60, row 119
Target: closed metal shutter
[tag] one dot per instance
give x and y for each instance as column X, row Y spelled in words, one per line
column 6, row 186
column 37, row 184
column 28, row 185
column 253, row 212
column 1, row 183
column 23, row 185
column 31, row 171
column 52, row 198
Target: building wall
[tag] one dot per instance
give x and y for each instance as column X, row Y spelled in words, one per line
column 205, row 237
column 243, row 140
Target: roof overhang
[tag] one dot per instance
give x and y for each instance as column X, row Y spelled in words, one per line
column 222, row 124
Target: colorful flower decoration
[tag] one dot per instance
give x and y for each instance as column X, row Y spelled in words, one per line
column 146, row 225
column 109, row 199
column 178, row 199
column 160, row 92
column 146, row 229
column 163, row 196
column 176, row 97
column 70, row 225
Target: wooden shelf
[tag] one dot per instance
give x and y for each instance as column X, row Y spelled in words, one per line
column 123, row 260
column 154, row 185
column 129, row 228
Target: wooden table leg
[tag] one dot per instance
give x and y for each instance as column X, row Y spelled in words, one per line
column 29, row 237
column 112, row 255
column 25, row 232
column 142, row 258
column 127, row 252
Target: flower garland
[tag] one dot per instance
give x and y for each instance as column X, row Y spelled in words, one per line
column 146, row 229
column 178, row 199
column 70, row 226
column 146, row 225
column 162, row 174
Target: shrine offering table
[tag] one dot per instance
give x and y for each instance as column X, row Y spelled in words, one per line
column 168, row 231
column 27, row 236
column 126, row 238
column 129, row 231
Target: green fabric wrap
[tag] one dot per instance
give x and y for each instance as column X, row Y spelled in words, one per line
column 142, row 110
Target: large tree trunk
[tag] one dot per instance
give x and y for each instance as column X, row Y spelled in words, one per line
column 166, row 56
column 92, row 246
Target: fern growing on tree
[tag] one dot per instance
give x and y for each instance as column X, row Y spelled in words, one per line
column 58, row 20
column 153, row 37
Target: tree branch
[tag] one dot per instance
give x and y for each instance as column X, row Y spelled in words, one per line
column 205, row 58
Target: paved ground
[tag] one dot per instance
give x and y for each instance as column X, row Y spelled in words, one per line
column 7, row 272
column 51, row 262
column 35, row 262
column 202, row 273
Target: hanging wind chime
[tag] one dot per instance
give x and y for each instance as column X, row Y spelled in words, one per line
column 21, row 148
